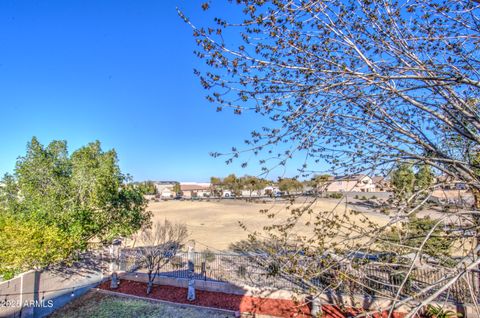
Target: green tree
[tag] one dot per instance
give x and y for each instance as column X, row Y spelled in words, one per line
column 413, row 233
column 319, row 183
column 288, row 185
column 216, row 185
column 28, row 243
column 71, row 199
column 424, row 178
column 252, row 183
column 232, row 183
column 403, row 181
column 176, row 188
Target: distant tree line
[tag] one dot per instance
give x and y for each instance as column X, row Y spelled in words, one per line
column 252, row 184
column 237, row 184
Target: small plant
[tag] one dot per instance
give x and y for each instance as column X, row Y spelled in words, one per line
column 208, row 256
column 373, row 197
column 363, row 198
column 336, row 195
column 356, row 196
column 273, row 269
column 438, row 312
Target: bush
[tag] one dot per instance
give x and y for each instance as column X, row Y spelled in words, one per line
column 273, row 269
column 335, row 195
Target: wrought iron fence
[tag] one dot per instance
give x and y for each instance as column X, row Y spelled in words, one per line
column 373, row 279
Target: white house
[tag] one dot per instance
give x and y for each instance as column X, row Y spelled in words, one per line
column 167, row 193
column 355, row 183
column 254, row 193
column 165, row 189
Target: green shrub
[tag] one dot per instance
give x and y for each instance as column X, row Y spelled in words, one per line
column 335, row 195
column 439, row 312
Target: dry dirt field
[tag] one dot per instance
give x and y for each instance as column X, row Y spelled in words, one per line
column 215, row 223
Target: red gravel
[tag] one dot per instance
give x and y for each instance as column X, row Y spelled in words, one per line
column 274, row 307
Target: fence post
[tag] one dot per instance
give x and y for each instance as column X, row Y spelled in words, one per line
column 191, row 271
column 114, row 263
column 316, row 306
column 204, row 270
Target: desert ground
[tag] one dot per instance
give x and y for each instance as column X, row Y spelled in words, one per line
column 214, row 224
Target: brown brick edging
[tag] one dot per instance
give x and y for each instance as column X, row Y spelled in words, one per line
column 354, row 301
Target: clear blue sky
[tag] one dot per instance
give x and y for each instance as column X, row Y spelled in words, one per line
column 116, row 71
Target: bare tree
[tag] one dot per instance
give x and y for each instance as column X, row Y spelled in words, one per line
column 359, row 85
column 160, row 243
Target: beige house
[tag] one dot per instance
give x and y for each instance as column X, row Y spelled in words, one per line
column 165, row 189
column 355, row 183
column 195, row 190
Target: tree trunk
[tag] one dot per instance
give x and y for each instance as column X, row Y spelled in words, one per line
column 114, row 281
column 151, row 278
column 149, row 287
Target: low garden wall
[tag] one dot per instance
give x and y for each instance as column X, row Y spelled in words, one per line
column 38, row 293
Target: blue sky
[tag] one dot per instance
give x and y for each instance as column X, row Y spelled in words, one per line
column 117, row 71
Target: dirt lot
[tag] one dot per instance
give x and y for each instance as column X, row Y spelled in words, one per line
column 215, row 223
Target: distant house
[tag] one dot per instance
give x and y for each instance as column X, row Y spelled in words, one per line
column 167, row 193
column 195, row 190
column 165, row 189
column 354, row 183
column 382, row 184
column 255, row 193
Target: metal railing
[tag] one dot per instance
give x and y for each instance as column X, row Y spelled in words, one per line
column 373, row 279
